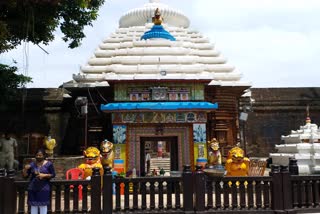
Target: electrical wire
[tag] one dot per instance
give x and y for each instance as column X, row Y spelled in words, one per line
column 95, row 107
column 105, row 100
column 25, row 60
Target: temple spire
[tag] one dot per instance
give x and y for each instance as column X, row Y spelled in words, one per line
column 157, row 31
column 308, row 119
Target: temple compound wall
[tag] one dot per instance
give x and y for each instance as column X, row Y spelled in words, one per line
column 275, row 112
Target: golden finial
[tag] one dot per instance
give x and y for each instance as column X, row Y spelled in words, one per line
column 157, row 19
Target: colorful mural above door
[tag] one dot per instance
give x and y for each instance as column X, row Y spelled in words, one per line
column 171, row 91
column 158, row 117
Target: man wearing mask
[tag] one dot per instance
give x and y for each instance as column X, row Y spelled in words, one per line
column 8, row 148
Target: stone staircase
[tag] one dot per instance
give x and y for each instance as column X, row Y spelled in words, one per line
column 157, row 163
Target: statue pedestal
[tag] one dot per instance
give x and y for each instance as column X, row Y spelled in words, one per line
column 63, row 163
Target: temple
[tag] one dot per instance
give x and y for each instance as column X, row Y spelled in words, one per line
column 171, row 90
column 302, row 145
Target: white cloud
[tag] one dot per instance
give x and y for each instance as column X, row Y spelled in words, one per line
column 273, row 43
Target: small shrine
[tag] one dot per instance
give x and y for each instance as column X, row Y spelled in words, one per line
column 303, row 145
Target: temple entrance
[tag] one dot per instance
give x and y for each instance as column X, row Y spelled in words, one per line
column 158, row 153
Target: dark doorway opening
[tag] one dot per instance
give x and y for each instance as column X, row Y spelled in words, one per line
column 162, row 152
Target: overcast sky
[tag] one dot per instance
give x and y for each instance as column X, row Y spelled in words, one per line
column 273, row 43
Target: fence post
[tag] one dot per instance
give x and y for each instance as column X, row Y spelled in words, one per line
column 286, row 188
column 293, row 166
column 187, row 189
column 95, row 191
column 2, row 180
column 107, row 191
column 276, row 189
column 10, row 197
column 199, row 187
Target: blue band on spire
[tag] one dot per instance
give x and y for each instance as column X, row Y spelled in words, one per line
column 157, row 31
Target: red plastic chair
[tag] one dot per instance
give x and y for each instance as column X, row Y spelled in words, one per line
column 75, row 174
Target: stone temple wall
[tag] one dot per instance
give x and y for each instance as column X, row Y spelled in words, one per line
column 275, row 112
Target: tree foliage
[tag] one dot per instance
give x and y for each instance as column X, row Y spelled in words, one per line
column 36, row 21
column 10, row 82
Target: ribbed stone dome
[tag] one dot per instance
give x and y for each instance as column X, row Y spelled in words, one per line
column 125, row 56
column 143, row 15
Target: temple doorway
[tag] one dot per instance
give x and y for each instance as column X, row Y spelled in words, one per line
column 158, row 153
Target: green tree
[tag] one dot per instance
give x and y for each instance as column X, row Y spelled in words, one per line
column 10, row 82
column 35, row 21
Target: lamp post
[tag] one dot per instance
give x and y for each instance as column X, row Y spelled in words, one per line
column 243, row 119
column 82, row 102
column 246, row 107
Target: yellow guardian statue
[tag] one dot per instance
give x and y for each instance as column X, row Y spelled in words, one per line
column 49, row 144
column 214, row 154
column 107, row 154
column 92, row 160
column 237, row 164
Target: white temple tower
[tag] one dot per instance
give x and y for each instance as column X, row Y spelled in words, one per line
column 302, row 144
column 124, row 56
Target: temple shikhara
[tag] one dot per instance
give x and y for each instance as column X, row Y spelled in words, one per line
column 301, row 145
column 171, row 90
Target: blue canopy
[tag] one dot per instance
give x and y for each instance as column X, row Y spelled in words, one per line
column 158, row 106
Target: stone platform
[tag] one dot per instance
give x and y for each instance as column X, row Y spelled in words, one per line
column 61, row 164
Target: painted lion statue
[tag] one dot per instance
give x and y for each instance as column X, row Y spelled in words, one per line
column 237, row 164
column 107, row 154
column 92, row 160
column 214, row 155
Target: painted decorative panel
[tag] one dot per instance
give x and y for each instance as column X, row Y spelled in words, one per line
column 134, row 97
column 145, row 92
column 159, row 117
column 198, row 92
column 173, row 96
column 201, row 150
column 119, row 134
column 121, row 93
column 199, row 133
column 159, row 93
